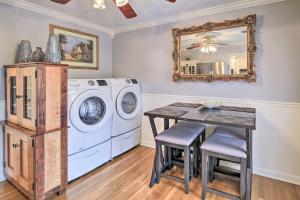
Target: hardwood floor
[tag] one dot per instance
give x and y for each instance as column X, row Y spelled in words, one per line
column 128, row 176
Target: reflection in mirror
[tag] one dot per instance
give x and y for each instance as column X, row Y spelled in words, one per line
column 215, row 51
column 221, row 52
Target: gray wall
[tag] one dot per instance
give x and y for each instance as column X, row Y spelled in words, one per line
column 17, row 24
column 146, row 55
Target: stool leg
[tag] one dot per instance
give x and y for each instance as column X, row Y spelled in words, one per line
column 203, row 136
column 204, row 173
column 218, row 162
column 243, row 178
column 195, row 158
column 191, row 165
column 157, row 162
column 170, row 152
column 187, row 154
column 211, row 168
column 213, row 165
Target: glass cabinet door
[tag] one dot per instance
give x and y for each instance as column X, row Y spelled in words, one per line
column 12, row 94
column 28, row 97
column 13, row 97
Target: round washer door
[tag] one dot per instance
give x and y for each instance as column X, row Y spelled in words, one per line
column 90, row 111
column 128, row 103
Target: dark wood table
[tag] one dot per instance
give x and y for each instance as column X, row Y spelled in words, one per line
column 240, row 117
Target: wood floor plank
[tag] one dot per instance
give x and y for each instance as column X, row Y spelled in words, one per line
column 128, row 176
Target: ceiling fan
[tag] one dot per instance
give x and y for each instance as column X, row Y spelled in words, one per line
column 123, row 6
column 207, row 41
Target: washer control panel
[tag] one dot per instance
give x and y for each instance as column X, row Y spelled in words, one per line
column 91, row 83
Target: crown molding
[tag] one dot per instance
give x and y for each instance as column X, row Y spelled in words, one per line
column 146, row 24
column 197, row 14
column 58, row 15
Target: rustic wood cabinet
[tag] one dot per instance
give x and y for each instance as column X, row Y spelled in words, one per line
column 35, row 132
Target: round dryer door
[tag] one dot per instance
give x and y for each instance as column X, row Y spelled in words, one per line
column 128, row 103
column 89, row 111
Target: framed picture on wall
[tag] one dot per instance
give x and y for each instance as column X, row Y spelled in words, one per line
column 78, row 49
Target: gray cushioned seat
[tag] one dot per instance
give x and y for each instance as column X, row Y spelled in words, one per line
column 180, row 135
column 191, row 125
column 230, row 132
column 229, row 146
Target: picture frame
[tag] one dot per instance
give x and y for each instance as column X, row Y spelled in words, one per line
column 79, row 50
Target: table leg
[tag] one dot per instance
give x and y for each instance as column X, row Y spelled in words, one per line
column 153, row 175
column 249, row 164
column 167, row 150
column 154, row 131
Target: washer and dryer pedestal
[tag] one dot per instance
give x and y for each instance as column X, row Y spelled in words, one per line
column 88, row 160
column 125, row 142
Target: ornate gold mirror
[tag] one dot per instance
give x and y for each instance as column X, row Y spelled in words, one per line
column 216, row 51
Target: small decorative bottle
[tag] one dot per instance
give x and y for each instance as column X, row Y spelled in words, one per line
column 38, row 55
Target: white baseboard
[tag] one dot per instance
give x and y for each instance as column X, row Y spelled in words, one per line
column 147, row 144
column 276, row 146
column 277, row 175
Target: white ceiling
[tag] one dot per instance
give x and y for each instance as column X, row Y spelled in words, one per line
column 150, row 12
column 146, row 10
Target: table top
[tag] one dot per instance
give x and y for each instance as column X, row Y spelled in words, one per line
column 240, row 117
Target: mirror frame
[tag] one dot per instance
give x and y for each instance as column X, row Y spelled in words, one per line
column 248, row 21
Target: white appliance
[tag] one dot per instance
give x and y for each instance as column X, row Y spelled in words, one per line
column 90, row 112
column 126, row 131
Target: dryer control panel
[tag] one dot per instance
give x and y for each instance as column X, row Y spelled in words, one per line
column 102, row 82
column 134, row 81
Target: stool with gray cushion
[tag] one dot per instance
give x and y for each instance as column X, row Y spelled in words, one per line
column 196, row 147
column 181, row 136
column 228, row 148
column 230, row 132
column 227, row 132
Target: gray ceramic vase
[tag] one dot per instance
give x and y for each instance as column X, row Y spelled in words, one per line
column 53, row 53
column 25, row 52
column 38, row 55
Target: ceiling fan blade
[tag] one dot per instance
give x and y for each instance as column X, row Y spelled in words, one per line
column 173, row 1
column 220, row 44
column 127, row 11
column 61, row 1
column 194, row 46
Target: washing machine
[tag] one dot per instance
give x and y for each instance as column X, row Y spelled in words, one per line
column 90, row 110
column 126, row 129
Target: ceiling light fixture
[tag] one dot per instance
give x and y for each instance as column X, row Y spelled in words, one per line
column 99, row 4
column 121, row 3
column 208, row 49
